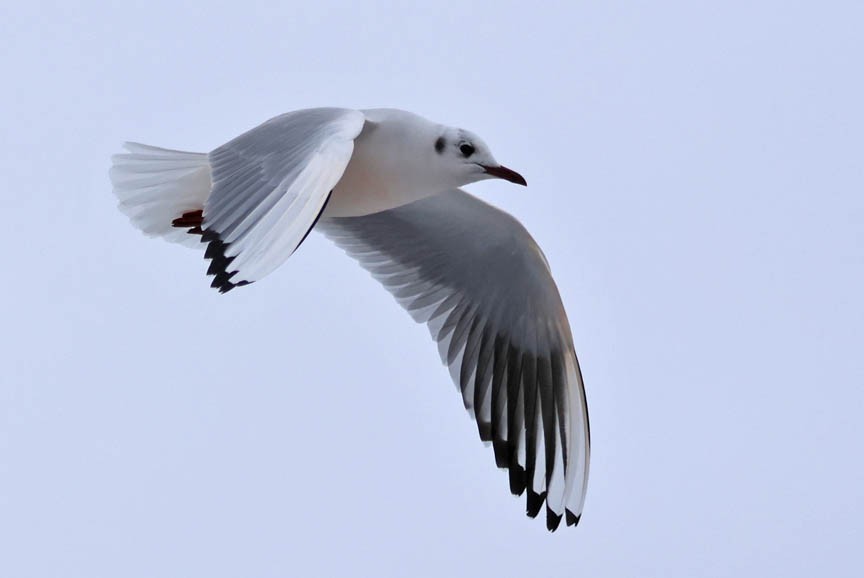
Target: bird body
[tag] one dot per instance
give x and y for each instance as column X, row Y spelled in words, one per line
column 374, row 182
column 383, row 185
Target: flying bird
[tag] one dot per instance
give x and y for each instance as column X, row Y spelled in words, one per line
column 383, row 185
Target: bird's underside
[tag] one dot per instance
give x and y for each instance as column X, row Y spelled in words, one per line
column 466, row 269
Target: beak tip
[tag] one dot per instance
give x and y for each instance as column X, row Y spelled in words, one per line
column 502, row 172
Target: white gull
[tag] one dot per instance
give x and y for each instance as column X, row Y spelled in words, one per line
column 383, row 185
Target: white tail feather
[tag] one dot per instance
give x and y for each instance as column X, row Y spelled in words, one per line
column 156, row 186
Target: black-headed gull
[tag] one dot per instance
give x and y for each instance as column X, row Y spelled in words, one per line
column 383, row 185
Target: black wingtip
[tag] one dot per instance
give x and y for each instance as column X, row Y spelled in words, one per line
column 219, row 262
column 552, row 519
column 533, row 503
column 485, row 431
column 502, row 453
column 517, row 480
column 572, row 519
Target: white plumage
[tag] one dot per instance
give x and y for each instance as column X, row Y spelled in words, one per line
column 156, row 185
column 382, row 184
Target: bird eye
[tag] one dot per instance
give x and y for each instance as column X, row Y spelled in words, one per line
column 467, row 149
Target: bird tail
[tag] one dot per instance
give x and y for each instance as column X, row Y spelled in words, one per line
column 162, row 191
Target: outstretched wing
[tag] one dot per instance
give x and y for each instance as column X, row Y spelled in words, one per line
column 481, row 283
column 269, row 186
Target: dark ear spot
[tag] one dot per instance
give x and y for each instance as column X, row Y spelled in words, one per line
column 440, row 144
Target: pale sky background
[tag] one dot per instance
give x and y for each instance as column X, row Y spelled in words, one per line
column 696, row 177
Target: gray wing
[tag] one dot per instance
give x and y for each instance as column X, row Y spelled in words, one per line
column 269, row 186
column 481, row 283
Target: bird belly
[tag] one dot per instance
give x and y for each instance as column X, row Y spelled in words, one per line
column 363, row 192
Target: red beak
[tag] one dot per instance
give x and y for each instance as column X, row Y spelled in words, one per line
column 503, row 172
